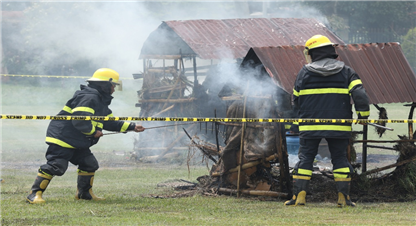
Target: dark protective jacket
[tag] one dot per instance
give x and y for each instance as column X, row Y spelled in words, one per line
column 323, row 90
column 79, row 133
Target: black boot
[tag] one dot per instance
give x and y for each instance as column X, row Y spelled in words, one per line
column 343, row 188
column 39, row 186
column 84, row 187
column 300, row 188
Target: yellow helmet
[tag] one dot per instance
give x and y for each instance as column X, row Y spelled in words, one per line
column 314, row 42
column 105, row 74
column 317, row 41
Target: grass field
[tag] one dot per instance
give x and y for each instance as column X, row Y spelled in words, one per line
column 131, row 200
column 131, row 189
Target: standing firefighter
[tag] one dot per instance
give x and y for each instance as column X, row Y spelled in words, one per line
column 70, row 140
column 322, row 90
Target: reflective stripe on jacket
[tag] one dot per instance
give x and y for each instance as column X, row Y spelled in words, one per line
column 79, row 133
column 328, row 97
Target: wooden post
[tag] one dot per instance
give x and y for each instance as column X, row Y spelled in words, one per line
column 364, row 154
column 349, row 150
column 242, row 141
column 164, row 72
column 410, row 125
column 280, row 154
column 241, row 146
column 195, row 73
column 255, row 192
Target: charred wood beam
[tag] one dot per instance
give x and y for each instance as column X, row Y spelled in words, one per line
column 164, row 110
column 142, row 75
column 166, row 88
column 171, row 93
column 389, row 166
column 198, row 68
column 255, row 192
column 383, row 141
column 168, row 101
column 210, row 149
column 251, row 126
column 163, row 70
column 247, row 165
column 203, row 151
column 240, row 97
column 382, row 147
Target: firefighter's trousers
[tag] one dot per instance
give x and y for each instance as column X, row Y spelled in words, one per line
column 308, row 150
column 58, row 157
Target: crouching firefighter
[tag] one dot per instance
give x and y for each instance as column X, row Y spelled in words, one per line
column 70, row 140
column 323, row 89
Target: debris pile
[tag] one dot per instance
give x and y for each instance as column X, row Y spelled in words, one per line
column 397, row 185
column 254, row 158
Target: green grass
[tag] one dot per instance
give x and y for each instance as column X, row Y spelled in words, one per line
column 131, row 200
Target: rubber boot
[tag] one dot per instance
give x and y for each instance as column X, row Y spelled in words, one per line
column 300, row 188
column 39, row 186
column 84, row 187
column 343, row 188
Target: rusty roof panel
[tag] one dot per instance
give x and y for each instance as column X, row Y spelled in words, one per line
column 383, row 68
column 232, row 38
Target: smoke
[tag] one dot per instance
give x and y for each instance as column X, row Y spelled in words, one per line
column 111, row 34
column 76, row 38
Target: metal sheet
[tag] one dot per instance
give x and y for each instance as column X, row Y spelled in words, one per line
column 382, row 67
column 232, row 38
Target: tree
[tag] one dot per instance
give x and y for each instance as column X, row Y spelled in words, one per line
column 371, row 21
column 409, row 47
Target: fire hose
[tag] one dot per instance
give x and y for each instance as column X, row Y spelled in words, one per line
column 380, row 126
column 155, row 127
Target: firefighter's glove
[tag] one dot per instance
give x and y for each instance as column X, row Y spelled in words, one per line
column 98, row 134
column 362, row 117
column 96, row 137
column 138, row 128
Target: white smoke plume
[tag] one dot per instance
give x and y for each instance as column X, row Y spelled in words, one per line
column 111, row 34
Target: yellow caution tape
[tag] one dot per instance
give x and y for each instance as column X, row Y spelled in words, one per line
column 49, row 76
column 43, row 76
column 183, row 119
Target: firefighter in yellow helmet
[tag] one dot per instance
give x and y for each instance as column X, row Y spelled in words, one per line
column 70, row 140
column 323, row 89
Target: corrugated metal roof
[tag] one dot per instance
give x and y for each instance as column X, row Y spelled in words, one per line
column 232, row 38
column 382, row 67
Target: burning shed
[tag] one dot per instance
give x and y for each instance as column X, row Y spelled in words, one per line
column 180, row 54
